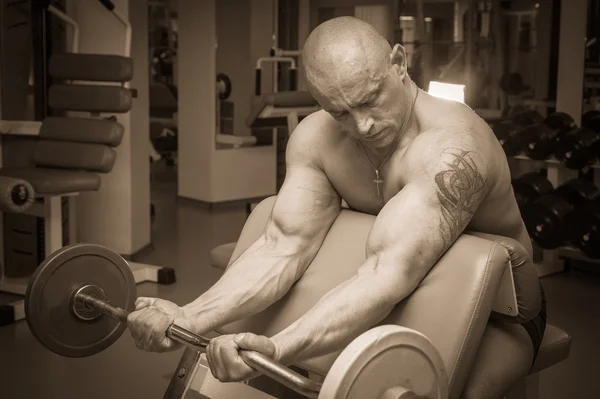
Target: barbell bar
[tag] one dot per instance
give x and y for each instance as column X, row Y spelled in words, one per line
column 84, row 296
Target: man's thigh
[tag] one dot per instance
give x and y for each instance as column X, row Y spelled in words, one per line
column 505, row 355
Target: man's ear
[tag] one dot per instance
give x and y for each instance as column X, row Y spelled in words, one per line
column 399, row 61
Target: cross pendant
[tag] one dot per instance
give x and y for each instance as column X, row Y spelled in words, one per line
column 378, row 181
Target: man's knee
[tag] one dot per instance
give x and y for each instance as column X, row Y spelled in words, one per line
column 504, row 357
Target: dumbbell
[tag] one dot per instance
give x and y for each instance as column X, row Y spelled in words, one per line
column 583, row 228
column 546, row 217
column 580, row 147
column 530, row 187
column 510, row 132
column 588, row 116
column 78, row 300
column 542, row 138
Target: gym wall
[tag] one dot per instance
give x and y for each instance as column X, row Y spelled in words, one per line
column 233, row 57
column 337, row 8
column 205, row 173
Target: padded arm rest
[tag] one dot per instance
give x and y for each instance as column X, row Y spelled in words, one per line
column 525, row 282
column 451, row 306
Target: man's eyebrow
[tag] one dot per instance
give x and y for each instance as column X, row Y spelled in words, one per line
column 371, row 95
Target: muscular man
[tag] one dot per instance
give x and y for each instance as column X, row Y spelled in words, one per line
column 427, row 167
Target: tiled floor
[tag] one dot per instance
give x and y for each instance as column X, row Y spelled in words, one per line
column 183, row 233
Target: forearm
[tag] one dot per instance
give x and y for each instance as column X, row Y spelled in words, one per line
column 257, row 279
column 344, row 313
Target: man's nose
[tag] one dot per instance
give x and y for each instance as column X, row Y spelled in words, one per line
column 363, row 123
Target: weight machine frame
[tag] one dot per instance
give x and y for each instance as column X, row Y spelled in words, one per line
column 50, row 207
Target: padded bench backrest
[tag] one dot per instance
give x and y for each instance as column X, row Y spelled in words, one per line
column 462, row 284
column 78, row 143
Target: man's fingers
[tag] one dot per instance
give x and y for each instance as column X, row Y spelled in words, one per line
column 214, row 359
column 150, row 322
column 258, row 343
column 237, row 369
column 143, row 302
column 158, row 338
column 134, row 324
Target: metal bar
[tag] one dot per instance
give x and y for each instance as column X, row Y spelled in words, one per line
column 128, row 31
column 186, row 369
column 40, row 41
column 261, row 60
column 65, row 18
column 259, row 362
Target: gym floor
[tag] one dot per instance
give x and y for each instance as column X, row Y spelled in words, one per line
column 183, row 234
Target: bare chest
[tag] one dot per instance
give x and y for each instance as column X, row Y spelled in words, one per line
column 362, row 186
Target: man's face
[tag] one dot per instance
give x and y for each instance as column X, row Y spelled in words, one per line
column 367, row 104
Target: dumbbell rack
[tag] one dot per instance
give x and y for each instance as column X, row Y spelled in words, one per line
column 553, row 261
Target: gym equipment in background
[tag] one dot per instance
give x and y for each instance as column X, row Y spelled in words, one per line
column 530, row 187
column 163, row 123
column 544, row 137
column 546, row 218
column 583, row 228
column 579, row 148
column 511, row 132
column 71, row 153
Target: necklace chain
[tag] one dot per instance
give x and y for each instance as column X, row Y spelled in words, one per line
column 377, row 179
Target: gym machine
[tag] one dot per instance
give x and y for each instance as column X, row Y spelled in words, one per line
column 50, row 189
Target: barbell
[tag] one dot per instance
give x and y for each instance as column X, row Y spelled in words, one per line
column 78, row 300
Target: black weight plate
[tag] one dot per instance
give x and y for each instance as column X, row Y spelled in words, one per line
column 221, row 77
column 577, row 191
column 527, row 118
column 541, row 141
column 530, row 187
column 589, row 116
column 577, row 148
column 560, row 121
column 545, row 220
column 583, row 228
column 47, row 301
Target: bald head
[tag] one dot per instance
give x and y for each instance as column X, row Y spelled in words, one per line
column 342, row 47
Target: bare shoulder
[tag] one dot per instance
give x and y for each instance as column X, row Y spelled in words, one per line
column 314, row 136
column 465, row 147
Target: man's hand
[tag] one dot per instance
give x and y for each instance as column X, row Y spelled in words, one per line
column 225, row 363
column 149, row 322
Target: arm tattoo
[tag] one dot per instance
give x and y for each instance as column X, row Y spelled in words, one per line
column 459, row 189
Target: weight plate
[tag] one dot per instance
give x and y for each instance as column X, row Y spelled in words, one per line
column 583, row 227
column 391, row 360
column 589, row 116
column 578, row 191
column 530, row 187
column 578, row 148
column 541, row 141
column 224, row 80
column 48, row 308
column 545, row 220
column 527, row 118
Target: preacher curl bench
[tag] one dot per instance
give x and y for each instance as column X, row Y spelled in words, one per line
column 477, row 261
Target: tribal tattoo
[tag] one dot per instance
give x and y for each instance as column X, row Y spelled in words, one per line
column 459, row 189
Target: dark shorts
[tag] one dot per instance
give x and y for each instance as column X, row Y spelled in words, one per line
column 537, row 326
